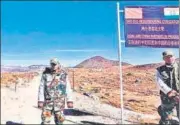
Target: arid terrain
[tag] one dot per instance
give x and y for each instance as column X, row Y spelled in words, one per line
column 98, row 78
column 140, row 91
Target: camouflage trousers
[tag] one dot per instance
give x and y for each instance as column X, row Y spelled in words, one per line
column 55, row 108
column 165, row 110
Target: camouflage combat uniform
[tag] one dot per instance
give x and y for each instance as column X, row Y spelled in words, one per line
column 53, row 89
column 170, row 76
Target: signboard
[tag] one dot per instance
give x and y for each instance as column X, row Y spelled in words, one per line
column 152, row 26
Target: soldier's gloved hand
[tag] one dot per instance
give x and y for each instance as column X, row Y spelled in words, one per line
column 172, row 93
column 40, row 104
column 70, row 104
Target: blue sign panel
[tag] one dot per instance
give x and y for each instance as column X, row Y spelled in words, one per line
column 152, row 26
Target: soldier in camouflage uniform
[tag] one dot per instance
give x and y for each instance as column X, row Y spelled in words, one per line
column 53, row 89
column 167, row 79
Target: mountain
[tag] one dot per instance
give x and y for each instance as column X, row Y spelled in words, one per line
column 37, row 67
column 22, row 68
column 148, row 66
column 13, row 69
column 152, row 65
column 99, row 62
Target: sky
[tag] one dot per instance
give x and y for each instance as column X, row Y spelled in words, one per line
column 34, row 32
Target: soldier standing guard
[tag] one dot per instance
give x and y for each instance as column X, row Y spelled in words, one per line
column 167, row 79
column 53, row 89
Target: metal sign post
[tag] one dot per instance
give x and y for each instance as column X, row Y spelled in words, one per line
column 120, row 64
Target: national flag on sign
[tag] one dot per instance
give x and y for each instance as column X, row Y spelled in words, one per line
column 133, row 13
column 171, row 13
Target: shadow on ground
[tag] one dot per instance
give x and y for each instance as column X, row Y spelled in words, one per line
column 92, row 123
column 13, row 123
column 73, row 112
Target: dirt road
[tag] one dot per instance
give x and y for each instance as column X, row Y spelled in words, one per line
column 21, row 107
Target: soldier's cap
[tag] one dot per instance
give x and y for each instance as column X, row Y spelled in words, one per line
column 54, row 61
column 167, row 53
